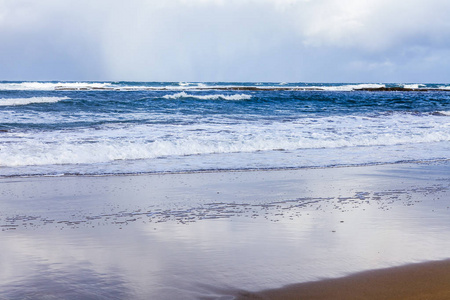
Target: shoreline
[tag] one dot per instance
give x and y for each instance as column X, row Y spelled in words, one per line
column 244, row 170
column 424, row 280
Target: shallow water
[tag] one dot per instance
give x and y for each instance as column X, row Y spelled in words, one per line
column 205, row 235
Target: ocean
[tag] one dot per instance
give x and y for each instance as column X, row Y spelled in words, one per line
column 109, row 128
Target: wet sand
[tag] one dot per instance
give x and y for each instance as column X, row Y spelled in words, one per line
column 208, row 235
column 411, row 282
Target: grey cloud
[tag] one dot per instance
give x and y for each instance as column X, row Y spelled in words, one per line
column 215, row 40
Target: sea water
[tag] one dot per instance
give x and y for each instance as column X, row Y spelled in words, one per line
column 97, row 128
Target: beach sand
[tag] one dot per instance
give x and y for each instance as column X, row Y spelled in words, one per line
column 214, row 235
column 429, row 281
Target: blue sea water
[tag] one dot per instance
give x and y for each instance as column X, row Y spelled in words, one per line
column 97, row 128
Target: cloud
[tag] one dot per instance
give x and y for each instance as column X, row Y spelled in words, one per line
column 376, row 25
column 225, row 40
column 47, row 40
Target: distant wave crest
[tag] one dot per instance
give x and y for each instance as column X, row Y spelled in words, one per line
column 212, row 86
column 50, row 86
column 442, row 113
column 209, row 97
column 413, row 86
column 32, row 100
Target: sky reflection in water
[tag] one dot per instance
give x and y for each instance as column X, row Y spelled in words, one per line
column 212, row 233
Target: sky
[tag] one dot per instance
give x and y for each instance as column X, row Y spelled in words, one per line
column 226, row 40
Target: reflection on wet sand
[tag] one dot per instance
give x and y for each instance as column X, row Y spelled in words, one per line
column 70, row 283
column 272, row 211
column 197, row 236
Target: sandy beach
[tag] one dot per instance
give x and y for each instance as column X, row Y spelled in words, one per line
column 224, row 235
column 416, row 281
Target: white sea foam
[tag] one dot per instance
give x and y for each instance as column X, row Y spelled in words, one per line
column 209, row 97
column 188, row 86
column 182, row 86
column 332, row 88
column 39, row 153
column 352, row 87
column 125, row 142
column 50, row 86
column 443, row 113
column 413, row 86
column 31, row 100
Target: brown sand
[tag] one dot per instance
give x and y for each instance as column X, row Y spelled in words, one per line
column 422, row 281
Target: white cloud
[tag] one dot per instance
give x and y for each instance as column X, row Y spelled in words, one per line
column 374, row 25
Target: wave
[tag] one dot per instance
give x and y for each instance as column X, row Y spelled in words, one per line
column 99, row 86
column 414, row 86
column 236, row 97
column 442, row 113
column 51, row 86
column 351, row 87
column 38, row 153
column 141, row 142
column 32, row 100
column 204, row 86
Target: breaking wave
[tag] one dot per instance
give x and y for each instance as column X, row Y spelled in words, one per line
column 236, row 97
column 51, row 86
column 31, row 100
column 151, row 141
column 198, row 86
